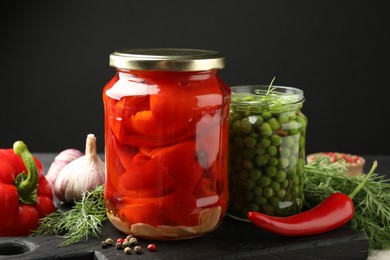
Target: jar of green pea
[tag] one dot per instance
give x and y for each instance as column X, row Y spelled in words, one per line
column 267, row 133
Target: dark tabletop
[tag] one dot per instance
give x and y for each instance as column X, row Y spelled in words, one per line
column 232, row 240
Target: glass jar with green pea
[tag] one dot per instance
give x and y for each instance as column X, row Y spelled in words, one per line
column 266, row 150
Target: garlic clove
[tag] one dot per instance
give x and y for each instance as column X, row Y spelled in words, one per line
column 81, row 174
column 62, row 159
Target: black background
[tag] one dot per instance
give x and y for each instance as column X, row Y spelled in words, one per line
column 55, row 62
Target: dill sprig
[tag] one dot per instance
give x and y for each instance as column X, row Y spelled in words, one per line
column 372, row 204
column 270, row 87
column 83, row 220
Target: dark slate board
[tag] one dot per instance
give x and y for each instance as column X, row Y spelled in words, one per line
column 232, row 240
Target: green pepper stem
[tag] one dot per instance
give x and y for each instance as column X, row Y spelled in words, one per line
column 360, row 186
column 27, row 185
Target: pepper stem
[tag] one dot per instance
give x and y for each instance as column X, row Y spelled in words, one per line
column 360, row 186
column 26, row 184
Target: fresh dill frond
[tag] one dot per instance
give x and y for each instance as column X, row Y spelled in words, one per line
column 83, row 220
column 270, row 87
column 372, row 203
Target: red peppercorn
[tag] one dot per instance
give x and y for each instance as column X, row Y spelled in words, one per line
column 152, row 247
column 120, row 240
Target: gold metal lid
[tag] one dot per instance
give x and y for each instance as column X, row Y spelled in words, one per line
column 168, row 59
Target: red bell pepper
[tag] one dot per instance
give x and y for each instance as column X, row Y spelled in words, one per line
column 25, row 194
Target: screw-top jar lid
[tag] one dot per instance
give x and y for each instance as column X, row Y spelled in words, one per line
column 168, row 59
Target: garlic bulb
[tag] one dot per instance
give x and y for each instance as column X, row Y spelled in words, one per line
column 62, row 159
column 81, row 174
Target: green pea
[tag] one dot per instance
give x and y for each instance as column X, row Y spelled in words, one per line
column 302, row 121
column 281, row 193
column 254, row 110
column 260, row 200
column 280, row 176
column 273, row 161
column 236, row 127
column 268, row 192
column 293, row 127
column 266, row 114
column 254, row 174
column 268, row 209
column 271, row 171
column 276, row 140
column 293, row 161
column 285, row 152
column 256, row 120
column 288, row 141
column 265, row 142
column 246, row 127
column 275, row 186
column 249, row 142
column 272, row 150
column 275, row 202
column 292, row 116
column 261, row 159
column 295, row 149
column 265, row 181
column 284, row 162
column 258, row 191
column 283, row 119
column 265, row 130
column 260, row 151
column 273, row 122
column 285, row 184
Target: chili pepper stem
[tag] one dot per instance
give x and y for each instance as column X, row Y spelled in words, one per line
column 360, row 186
column 27, row 184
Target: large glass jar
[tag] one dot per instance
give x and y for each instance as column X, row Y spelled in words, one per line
column 166, row 143
column 266, row 150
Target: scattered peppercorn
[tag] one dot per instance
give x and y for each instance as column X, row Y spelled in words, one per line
column 138, row 249
column 152, row 247
column 126, row 243
column 104, row 244
column 133, row 241
column 127, row 250
column 119, row 245
column 109, row 242
column 129, row 237
column 120, row 240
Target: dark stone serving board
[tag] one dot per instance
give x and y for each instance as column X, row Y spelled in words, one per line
column 232, row 240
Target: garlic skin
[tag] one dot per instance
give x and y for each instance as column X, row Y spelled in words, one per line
column 62, row 159
column 81, row 174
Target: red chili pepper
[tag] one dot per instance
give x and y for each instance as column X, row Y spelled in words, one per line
column 25, row 194
column 335, row 211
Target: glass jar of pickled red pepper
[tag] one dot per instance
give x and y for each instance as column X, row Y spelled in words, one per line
column 266, row 150
column 166, row 143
